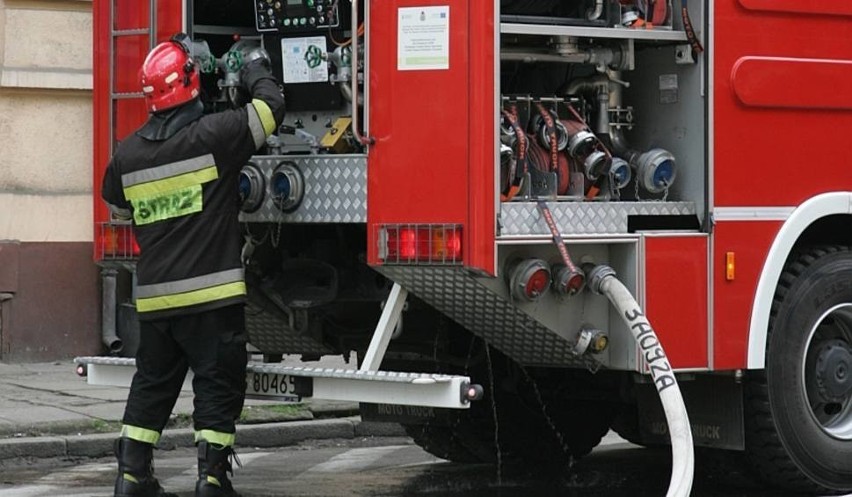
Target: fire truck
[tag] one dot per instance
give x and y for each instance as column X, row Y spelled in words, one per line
column 455, row 180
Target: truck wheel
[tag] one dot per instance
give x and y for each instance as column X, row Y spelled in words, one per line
column 469, row 436
column 798, row 414
column 626, row 425
column 572, row 429
column 535, row 407
column 447, row 443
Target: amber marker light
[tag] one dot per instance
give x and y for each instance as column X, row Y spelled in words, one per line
column 730, row 266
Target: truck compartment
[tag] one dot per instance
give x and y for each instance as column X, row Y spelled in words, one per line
column 598, row 109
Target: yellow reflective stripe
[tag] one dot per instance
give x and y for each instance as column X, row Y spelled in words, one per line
column 265, row 114
column 258, row 134
column 194, row 297
column 158, row 187
column 216, row 437
column 140, row 434
column 130, row 478
column 213, row 481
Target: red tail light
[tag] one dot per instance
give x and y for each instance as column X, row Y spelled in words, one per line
column 116, row 241
column 404, row 245
column 435, row 244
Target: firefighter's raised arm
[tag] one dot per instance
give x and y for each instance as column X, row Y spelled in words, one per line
column 267, row 100
column 236, row 135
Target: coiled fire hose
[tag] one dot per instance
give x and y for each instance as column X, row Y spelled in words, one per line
column 595, row 188
column 514, row 185
column 550, row 126
column 602, row 280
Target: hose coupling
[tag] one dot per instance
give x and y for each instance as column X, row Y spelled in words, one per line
column 597, row 275
column 591, row 341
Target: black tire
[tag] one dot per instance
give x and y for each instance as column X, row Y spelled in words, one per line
column 469, row 437
column 451, row 443
column 537, row 426
column 626, row 425
column 541, row 425
column 792, row 438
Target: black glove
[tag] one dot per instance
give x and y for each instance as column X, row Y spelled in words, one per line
column 257, row 67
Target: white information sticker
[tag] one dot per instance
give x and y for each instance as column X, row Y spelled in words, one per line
column 423, row 40
column 302, row 60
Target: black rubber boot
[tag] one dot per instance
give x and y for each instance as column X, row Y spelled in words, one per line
column 136, row 470
column 214, row 465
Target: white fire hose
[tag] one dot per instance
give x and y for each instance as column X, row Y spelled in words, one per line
column 602, row 280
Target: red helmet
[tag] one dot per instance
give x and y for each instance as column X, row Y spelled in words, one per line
column 169, row 76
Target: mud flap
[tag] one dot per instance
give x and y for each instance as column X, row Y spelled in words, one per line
column 715, row 406
column 412, row 415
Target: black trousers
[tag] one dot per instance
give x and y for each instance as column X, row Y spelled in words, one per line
column 213, row 345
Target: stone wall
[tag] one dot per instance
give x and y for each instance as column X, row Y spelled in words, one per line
column 49, row 297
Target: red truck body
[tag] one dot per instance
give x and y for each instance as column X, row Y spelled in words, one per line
column 758, row 122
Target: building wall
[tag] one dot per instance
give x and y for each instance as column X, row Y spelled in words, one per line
column 49, row 286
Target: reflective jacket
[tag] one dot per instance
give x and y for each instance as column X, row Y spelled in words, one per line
column 182, row 195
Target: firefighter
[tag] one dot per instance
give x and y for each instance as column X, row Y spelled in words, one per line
column 176, row 177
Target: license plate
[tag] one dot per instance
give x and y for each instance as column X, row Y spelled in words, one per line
column 279, row 386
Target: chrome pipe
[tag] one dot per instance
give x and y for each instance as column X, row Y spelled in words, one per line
column 356, row 128
column 108, row 317
column 594, row 15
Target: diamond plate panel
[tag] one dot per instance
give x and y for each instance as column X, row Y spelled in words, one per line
column 270, row 333
column 584, row 218
column 461, row 297
column 335, row 190
column 336, row 373
column 351, row 374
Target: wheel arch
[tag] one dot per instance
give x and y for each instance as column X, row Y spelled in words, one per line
column 815, row 221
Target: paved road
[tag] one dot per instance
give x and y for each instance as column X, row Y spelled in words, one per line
column 381, row 467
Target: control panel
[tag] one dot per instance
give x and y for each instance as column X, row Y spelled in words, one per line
column 291, row 16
